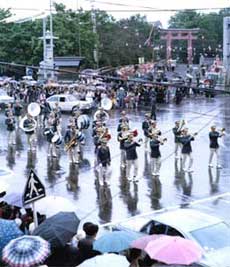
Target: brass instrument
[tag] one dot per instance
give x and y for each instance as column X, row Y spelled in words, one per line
column 33, row 110
column 106, row 103
column 153, row 133
column 182, row 125
column 71, row 143
column 105, row 135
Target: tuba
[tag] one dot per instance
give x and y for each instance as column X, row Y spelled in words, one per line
column 33, row 110
column 106, row 103
column 104, row 118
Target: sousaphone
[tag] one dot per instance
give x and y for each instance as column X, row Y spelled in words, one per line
column 34, row 110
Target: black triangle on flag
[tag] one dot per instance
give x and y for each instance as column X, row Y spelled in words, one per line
column 34, row 189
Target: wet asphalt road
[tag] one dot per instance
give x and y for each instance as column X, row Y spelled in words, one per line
column 123, row 199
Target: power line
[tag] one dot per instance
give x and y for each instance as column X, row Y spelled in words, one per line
column 144, row 9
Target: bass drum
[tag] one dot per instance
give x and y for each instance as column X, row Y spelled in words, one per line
column 57, row 139
column 83, row 122
column 80, row 137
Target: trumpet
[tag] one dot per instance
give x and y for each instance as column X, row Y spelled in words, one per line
column 222, row 130
column 105, row 135
column 153, row 133
column 182, row 124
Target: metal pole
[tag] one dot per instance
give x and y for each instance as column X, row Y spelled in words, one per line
column 79, row 32
column 44, row 47
column 51, row 39
column 93, row 17
column 35, row 215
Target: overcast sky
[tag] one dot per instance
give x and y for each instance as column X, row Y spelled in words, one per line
column 25, row 8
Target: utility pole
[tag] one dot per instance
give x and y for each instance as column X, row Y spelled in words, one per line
column 226, row 48
column 51, row 40
column 93, row 17
column 79, row 30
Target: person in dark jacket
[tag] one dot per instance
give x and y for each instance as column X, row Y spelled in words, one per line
column 131, row 157
column 18, row 111
column 145, row 128
column 214, row 146
column 30, row 124
column 155, row 154
column 10, row 123
column 177, row 133
column 186, row 139
column 122, row 137
column 103, row 159
column 122, row 121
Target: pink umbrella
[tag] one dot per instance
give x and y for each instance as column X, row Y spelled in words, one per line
column 174, row 250
column 142, row 242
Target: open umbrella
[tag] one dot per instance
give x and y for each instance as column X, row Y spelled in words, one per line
column 111, row 260
column 115, row 241
column 8, row 230
column 174, row 250
column 14, row 199
column 142, row 242
column 58, row 229
column 26, row 251
column 51, row 205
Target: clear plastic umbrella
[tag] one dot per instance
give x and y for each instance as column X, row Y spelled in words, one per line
column 111, row 260
column 51, row 205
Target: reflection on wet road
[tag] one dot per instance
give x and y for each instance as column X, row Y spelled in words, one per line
column 122, row 199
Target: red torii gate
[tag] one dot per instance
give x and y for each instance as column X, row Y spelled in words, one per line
column 179, row 34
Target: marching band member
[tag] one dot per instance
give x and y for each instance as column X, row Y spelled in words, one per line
column 101, row 114
column 10, row 123
column 153, row 130
column 122, row 137
column 155, row 154
column 18, row 111
column 145, row 128
column 46, row 110
column 131, row 156
column 123, row 120
column 8, row 110
column 177, row 133
column 214, row 146
column 103, row 159
column 186, row 139
column 71, row 143
column 98, row 131
column 57, row 110
column 31, row 138
column 50, row 131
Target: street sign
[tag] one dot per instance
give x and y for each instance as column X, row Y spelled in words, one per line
column 34, row 189
column 29, row 72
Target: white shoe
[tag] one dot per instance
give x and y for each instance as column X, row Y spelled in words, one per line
column 219, row 167
column 185, row 170
column 210, row 165
column 153, row 173
column 101, row 183
column 190, row 170
column 129, row 179
column 157, row 173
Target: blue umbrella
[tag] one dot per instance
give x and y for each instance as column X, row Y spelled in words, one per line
column 58, row 229
column 8, row 231
column 26, row 251
column 115, row 241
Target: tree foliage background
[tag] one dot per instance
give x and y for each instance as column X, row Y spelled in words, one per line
column 120, row 42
